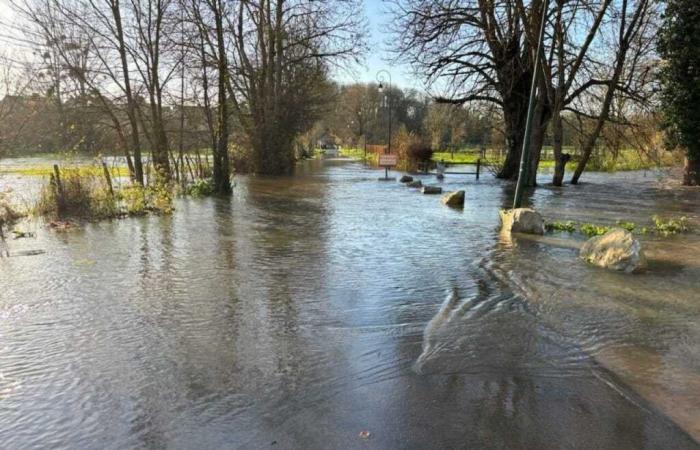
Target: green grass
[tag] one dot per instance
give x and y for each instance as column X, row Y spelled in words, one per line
column 47, row 170
column 457, row 157
column 357, row 153
column 627, row 159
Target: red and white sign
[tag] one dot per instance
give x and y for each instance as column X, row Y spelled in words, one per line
column 388, row 160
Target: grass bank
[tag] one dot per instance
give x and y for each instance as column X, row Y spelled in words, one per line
column 46, row 170
column 358, row 154
column 625, row 160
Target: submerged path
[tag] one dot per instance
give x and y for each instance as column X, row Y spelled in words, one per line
column 330, row 311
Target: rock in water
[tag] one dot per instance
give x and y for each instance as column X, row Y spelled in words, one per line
column 454, row 199
column 415, row 184
column 405, row 179
column 521, row 220
column 616, row 250
column 431, row 190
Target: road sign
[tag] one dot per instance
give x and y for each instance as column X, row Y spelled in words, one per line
column 388, row 160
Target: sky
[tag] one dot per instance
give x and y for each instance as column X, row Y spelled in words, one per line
column 376, row 60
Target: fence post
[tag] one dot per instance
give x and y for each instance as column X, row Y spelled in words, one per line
column 478, row 167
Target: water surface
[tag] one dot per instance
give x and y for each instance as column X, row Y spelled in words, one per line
column 309, row 309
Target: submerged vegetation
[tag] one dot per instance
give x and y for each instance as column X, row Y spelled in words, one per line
column 659, row 226
column 567, row 226
column 670, row 226
column 84, row 192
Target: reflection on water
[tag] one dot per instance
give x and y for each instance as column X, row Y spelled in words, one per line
column 307, row 309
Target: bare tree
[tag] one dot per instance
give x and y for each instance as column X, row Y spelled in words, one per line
column 483, row 51
column 281, row 54
column 213, row 44
column 635, row 29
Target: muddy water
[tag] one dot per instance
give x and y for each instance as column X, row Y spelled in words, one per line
column 307, row 310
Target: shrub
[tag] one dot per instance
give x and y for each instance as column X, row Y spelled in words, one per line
column 160, row 198
column 83, row 194
column 139, row 200
column 200, row 188
column 134, row 199
column 412, row 151
column 70, row 195
column 242, row 159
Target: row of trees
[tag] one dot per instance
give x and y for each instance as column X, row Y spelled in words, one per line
column 256, row 69
column 170, row 75
column 358, row 113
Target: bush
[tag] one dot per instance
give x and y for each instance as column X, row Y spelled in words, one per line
column 242, row 159
column 413, row 152
column 78, row 193
column 138, row 200
column 200, row 188
column 83, row 194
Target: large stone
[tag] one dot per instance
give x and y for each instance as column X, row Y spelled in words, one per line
column 521, row 220
column 616, row 250
column 415, row 184
column 431, row 190
column 405, row 179
column 454, row 199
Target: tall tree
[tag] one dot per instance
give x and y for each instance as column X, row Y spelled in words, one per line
column 213, row 44
column 633, row 29
column 483, row 51
column 679, row 45
column 282, row 53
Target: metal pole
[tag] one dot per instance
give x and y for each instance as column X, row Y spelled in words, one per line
column 380, row 79
column 525, row 155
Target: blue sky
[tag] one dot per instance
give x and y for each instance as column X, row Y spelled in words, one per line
column 379, row 20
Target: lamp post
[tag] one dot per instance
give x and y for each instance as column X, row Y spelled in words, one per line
column 382, row 77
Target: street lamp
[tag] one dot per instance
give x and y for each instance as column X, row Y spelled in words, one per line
column 382, row 77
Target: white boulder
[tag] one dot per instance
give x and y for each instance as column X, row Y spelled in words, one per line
column 521, row 220
column 616, row 250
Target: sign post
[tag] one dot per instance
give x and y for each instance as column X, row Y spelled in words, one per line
column 387, row 160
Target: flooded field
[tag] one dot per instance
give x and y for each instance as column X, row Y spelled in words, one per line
column 332, row 311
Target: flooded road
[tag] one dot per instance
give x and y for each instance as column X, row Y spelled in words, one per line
column 308, row 310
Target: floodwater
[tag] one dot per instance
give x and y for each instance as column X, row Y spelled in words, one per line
column 333, row 311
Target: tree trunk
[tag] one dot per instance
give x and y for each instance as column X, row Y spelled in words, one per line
column 691, row 175
column 130, row 103
column 559, row 158
column 514, row 117
column 539, row 129
column 222, row 182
